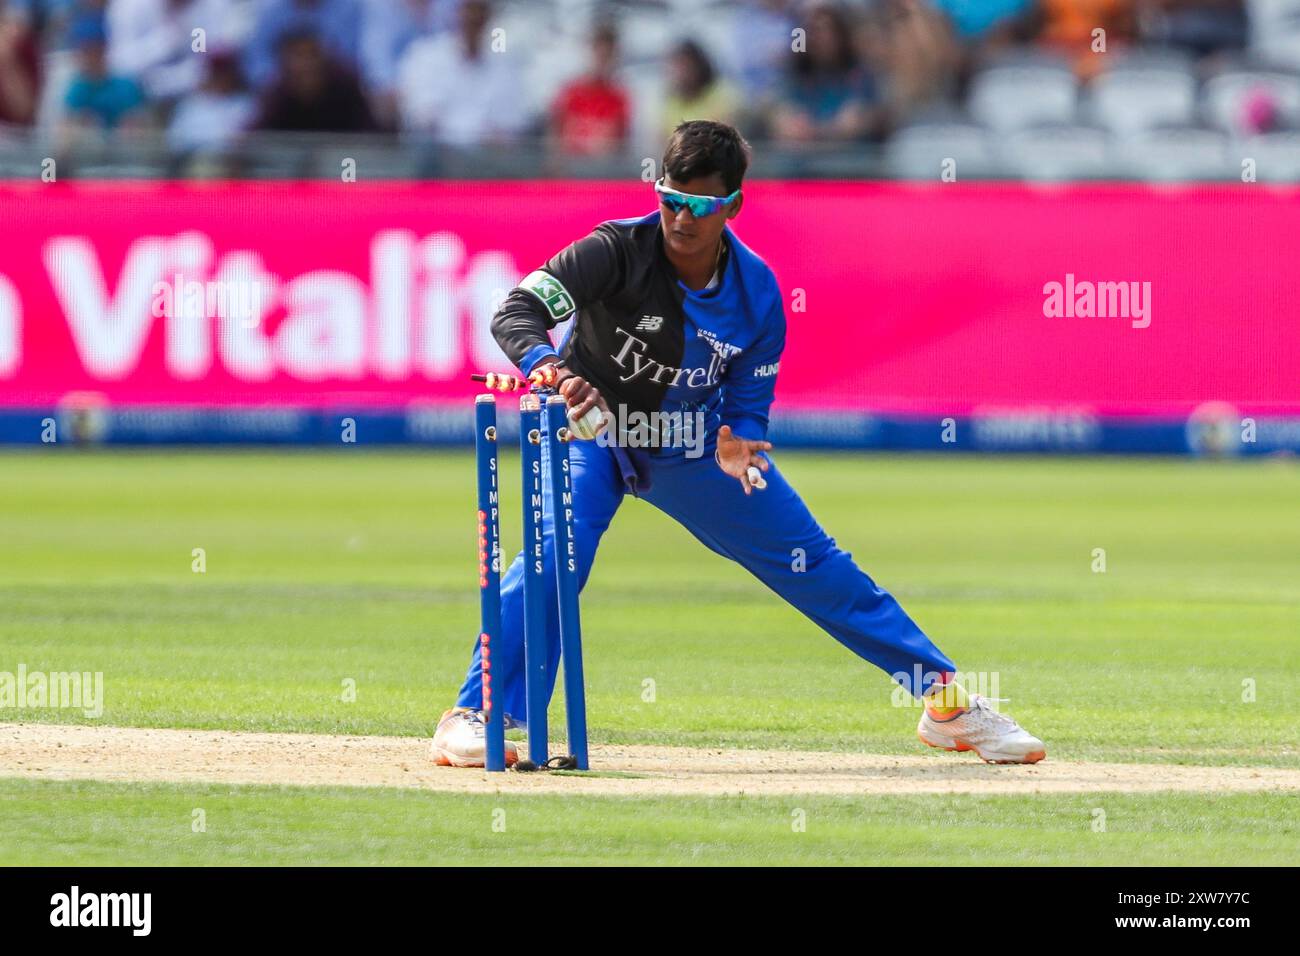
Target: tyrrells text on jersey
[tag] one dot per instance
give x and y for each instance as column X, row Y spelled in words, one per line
column 634, row 351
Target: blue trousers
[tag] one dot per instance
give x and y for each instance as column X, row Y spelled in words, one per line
column 771, row 533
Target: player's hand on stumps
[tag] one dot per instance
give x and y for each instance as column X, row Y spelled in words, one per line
column 740, row 458
column 588, row 414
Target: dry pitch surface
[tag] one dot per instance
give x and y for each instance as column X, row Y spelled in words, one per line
column 84, row 752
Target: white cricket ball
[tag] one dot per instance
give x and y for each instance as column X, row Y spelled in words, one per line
column 756, row 478
column 588, row 426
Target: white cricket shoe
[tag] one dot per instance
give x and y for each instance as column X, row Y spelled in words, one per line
column 995, row 737
column 461, row 740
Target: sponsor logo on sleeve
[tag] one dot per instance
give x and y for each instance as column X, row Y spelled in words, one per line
column 550, row 291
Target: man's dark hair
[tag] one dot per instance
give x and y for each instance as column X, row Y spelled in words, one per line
column 702, row 148
column 705, row 74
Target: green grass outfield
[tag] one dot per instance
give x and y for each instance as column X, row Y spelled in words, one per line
column 357, row 565
column 88, row 824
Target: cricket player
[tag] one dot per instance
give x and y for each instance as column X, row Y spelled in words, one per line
column 676, row 319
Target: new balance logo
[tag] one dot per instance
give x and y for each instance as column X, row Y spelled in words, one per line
column 650, row 323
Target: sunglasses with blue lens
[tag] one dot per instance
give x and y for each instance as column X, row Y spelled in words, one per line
column 700, row 206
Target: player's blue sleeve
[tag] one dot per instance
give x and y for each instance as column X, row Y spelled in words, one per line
column 750, row 380
column 535, row 356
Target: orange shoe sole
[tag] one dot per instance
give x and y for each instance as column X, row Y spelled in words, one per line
column 441, row 760
column 1033, row 757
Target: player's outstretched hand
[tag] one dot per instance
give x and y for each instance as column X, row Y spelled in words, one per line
column 740, row 458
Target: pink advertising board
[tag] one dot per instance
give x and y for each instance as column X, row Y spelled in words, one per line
column 901, row 298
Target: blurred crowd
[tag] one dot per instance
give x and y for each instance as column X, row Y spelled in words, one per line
column 586, row 79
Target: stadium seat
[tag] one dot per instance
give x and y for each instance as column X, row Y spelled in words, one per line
column 1058, row 152
column 1017, row 96
column 1281, row 49
column 1276, row 155
column 1236, row 101
column 918, row 151
column 1275, row 31
column 1177, row 154
column 1270, row 17
column 1140, row 93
